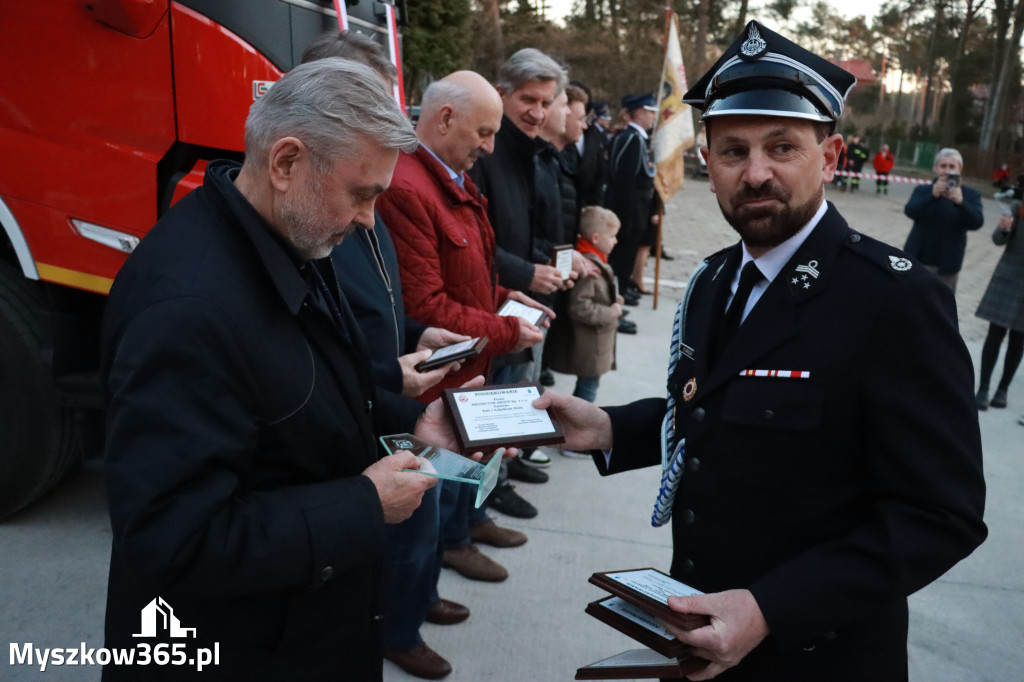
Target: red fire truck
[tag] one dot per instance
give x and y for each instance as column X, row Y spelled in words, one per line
column 109, row 112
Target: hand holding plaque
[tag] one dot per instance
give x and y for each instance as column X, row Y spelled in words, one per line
column 447, row 465
column 534, row 316
column 561, row 258
column 638, row 609
column 492, row 416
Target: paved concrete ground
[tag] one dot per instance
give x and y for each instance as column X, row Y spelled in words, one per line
column 966, row 626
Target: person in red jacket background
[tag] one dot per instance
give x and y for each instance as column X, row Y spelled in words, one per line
column 443, row 238
column 883, row 161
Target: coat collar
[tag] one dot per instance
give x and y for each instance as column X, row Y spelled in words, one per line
column 454, row 194
column 775, row 317
column 278, row 261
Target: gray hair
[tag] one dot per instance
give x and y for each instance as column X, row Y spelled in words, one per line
column 948, row 151
column 528, row 65
column 443, row 92
column 332, row 106
column 354, row 46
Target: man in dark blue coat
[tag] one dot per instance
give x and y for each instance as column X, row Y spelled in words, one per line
column 822, row 458
column 246, row 489
column 631, row 188
column 943, row 213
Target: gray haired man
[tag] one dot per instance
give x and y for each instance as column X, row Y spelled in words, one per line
column 528, row 84
column 247, row 499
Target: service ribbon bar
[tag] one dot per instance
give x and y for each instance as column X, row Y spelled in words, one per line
column 776, row 373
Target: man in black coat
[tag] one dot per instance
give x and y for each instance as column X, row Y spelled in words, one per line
column 592, row 169
column 631, row 187
column 528, row 82
column 822, row 454
column 247, row 497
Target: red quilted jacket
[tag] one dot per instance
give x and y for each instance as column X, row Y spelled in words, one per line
column 445, row 248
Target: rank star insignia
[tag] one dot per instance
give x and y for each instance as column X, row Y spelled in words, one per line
column 754, row 46
column 900, row 264
column 690, row 389
column 796, row 280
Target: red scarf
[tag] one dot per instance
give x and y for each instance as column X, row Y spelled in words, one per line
column 583, row 245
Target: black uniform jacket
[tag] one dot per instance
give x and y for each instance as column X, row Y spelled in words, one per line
column 240, row 418
column 831, row 497
column 630, row 184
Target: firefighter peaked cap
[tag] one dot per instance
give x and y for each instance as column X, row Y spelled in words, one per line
column 765, row 74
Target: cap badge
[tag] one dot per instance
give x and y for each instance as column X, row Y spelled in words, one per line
column 690, row 389
column 900, row 264
column 754, row 46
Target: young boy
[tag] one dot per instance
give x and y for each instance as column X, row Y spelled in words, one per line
column 583, row 342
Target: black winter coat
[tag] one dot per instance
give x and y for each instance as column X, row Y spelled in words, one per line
column 832, row 497
column 506, row 179
column 240, row 418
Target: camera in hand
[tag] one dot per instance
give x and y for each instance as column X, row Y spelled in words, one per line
column 952, row 181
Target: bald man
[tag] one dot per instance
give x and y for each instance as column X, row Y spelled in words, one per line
column 445, row 247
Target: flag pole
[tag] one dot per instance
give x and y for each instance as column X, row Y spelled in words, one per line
column 661, row 204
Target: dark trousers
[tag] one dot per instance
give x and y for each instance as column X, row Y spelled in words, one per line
column 882, row 183
column 621, row 260
column 411, row 571
column 459, row 514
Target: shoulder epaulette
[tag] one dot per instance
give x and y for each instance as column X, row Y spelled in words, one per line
column 888, row 258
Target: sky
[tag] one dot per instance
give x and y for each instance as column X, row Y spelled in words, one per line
column 560, row 8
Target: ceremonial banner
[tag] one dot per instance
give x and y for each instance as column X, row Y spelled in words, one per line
column 673, row 133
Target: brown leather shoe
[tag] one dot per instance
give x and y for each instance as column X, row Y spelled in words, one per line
column 471, row 563
column 446, row 612
column 492, row 534
column 421, row 661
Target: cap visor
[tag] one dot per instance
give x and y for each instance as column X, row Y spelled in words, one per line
column 766, row 103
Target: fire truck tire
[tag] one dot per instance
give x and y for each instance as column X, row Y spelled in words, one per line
column 40, row 439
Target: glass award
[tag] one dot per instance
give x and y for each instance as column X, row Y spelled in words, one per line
column 446, row 464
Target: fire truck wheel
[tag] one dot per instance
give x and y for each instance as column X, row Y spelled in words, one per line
column 39, row 441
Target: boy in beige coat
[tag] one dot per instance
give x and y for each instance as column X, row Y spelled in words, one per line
column 583, row 341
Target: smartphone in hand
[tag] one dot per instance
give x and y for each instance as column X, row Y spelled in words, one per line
column 456, row 351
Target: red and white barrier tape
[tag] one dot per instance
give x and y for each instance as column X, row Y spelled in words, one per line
column 866, row 176
column 891, row 178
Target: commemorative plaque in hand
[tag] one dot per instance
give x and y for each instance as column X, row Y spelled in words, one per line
column 561, row 258
column 637, row 608
column 500, row 416
column 534, row 316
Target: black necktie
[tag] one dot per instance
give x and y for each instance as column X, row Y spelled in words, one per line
column 734, row 315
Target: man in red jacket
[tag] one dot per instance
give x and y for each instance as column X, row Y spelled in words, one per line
column 445, row 247
column 438, row 220
column 883, row 161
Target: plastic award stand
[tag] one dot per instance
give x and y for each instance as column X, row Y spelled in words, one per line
column 446, row 464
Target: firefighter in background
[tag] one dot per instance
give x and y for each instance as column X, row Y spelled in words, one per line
column 856, row 155
column 840, row 179
column 883, row 163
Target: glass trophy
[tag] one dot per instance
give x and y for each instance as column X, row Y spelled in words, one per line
column 447, row 464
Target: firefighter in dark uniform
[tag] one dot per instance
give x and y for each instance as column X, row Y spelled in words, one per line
column 820, row 446
column 631, row 187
